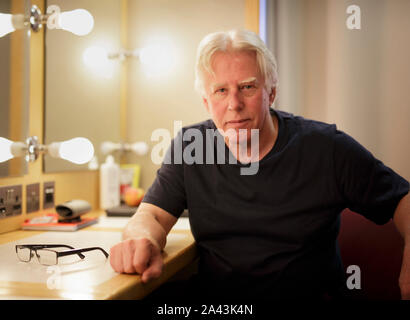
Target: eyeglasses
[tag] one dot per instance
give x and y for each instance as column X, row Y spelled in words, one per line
column 48, row 257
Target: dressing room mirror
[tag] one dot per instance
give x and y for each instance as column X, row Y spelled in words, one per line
column 80, row 102
column 14, row 85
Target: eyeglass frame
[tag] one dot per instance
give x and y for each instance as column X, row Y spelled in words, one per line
column 34, row 247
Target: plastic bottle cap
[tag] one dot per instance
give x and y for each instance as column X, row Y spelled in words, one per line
column 109, row 159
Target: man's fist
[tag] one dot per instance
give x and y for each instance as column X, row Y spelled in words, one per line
column 137, row 256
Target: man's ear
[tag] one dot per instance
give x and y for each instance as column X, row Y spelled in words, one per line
column 205, row 102
column 272, row 96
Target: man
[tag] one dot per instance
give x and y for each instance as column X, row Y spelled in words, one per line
column 273, row 233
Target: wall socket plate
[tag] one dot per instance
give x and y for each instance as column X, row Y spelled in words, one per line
column 32, row 197
column 2, row 202
column 10, row 201
column 48, row 195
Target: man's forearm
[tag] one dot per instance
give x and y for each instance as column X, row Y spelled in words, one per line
column 402, row 221
column 402, row 218
column 145, row 225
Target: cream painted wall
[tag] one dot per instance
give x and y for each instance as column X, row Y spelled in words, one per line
column 289, row 52
column 354, row 71
column 368, row 76
column 395, row 85
column 358, row 79
column 156, row 102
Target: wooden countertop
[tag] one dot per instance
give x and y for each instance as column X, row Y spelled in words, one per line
column 179, row 252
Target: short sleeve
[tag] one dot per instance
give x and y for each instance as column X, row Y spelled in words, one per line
column 168, row 190
column 367, row 186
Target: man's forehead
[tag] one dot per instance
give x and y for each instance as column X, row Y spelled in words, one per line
column 227, row 62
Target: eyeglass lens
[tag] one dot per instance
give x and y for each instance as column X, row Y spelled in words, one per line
column 24, row 254
column 46, row 257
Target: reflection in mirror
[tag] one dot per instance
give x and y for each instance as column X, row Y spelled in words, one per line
column 79, row 102
column 14, row 86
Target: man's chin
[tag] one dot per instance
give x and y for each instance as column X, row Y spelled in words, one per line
column 242, row 137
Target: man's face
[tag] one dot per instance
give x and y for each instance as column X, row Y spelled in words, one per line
column 236, row 96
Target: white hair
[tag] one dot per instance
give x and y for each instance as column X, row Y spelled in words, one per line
column 234, row 40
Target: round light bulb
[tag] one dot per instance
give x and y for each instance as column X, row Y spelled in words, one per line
column 79, row 21
column 10, row 23
column 96, row 58
column 6, row 24
column 139, row 148
column 77, row 150
column 5, row 149
column 157, row 60
column 10, row 149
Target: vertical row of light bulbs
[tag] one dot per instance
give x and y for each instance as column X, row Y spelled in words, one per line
column 80, row 22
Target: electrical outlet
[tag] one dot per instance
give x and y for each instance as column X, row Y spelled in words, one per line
column 32, row 197
column 10, row 201
column 2, row 202
column 48, row 195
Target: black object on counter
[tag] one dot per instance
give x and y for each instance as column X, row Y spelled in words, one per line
column 72, row 210
column 121, row 211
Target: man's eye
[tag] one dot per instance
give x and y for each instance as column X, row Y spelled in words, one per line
column 247, row 87
column 220, row 90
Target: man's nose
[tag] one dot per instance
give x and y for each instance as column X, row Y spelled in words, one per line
column 235, row 101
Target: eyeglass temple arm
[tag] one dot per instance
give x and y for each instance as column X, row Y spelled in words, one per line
column 78, row 251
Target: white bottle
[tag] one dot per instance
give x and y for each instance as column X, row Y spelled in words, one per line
column 109, row 184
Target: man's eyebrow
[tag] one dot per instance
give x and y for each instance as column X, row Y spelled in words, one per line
column 251, row 79
column 248, row 80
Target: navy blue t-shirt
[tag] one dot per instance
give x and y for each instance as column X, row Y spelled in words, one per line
column 275, row 232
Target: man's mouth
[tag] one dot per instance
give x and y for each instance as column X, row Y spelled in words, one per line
column 237, row 122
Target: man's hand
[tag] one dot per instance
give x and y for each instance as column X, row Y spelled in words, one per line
column 144, row 237
column 137, row 256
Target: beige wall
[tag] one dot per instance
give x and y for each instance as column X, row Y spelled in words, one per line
column 395, row 87
column 289, row 52
column 354, row 71
column 156, row 103
column 368, row 76
column 358, row 79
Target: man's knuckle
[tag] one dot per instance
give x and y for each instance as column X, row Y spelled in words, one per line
column 156, row 273
column 129, row 269
column 140, row 266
